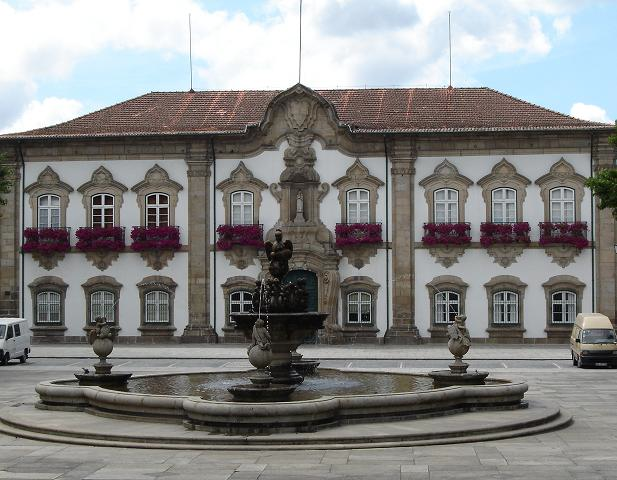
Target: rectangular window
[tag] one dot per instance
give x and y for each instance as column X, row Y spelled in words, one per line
column 102, row 304
column 157, row 307
column 446, row 205
column 446, row 306
column 48, row 308
column 505, row 308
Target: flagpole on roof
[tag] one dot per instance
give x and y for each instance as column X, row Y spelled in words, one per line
column 450, row 47
column 300, row 47
column 191, row 51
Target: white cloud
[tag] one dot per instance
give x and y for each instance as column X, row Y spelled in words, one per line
column 562, row 25
column 50, row 111
column 589, row 112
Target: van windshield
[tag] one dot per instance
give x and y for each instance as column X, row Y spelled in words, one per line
column 2, row 331
column 598, row 335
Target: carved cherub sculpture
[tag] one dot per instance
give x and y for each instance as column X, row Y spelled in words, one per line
column 279, row 253
column 261, row 336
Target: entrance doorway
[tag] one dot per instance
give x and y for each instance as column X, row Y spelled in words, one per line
column 311, row 286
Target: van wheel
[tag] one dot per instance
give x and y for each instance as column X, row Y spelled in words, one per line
column 579, row 362
column 5, row 359
column 24, row 357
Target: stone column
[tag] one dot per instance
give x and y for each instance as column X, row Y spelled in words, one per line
column 199, row 328
column 10, row 239
column 605, row 236
column 402, row 329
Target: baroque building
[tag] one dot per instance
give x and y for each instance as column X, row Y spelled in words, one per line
column 405, row 207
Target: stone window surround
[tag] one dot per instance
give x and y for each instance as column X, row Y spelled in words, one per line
column 357, row 176
column 150, row 284
column 232, row 285
column 102, row 182
column 444, row 283
column 241, row 179
column 560, row 283
column 95, row 284
column 562, row 174
column 157, row 180
column 502, row 283
column 48, row 284
column 445, row 175
column 504, row 175
column 48, row 183
column 359, row 284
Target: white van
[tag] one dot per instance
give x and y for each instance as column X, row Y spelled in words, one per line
column 14, row 339
column 593, row 340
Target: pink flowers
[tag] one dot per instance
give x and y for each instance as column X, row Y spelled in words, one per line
column 46, row 241
column 492, row 233
column 446, row 234
column 155, row 238
column 357, row 233
column 569, row 233
column 91, row 239
column 247, row 235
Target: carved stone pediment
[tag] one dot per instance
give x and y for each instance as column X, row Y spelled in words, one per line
column 563, row 255
column 102, row 259
column 505, row 254
column 447, row 255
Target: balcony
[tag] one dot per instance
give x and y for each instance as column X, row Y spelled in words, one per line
column 47, row 241
column 93, row 239
column 155, row 238
column 492, row 233
column 350, row 234
column 242, row 235
column 564, row 233
column 436, row 234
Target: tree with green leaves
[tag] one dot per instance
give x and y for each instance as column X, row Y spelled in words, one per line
column 604, row 184
column 6, row 178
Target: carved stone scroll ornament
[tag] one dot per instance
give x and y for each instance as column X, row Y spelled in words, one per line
column 157, row 259
column 447, row 255
column 241, row 256
column 102, row 259
column 562, row 255
column 505, row 254
column 359, row 255
column 48, row 261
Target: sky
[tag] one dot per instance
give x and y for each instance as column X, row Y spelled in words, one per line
column 65, row 58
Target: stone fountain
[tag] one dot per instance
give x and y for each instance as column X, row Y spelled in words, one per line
column 278, row 324
column 102, row 337
column 458, row 344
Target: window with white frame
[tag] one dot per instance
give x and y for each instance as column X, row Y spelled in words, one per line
column 103, row 210
column 446, row 306
column 359, row 307
column 157, row 210
column 504, row 205
column 563, row 307
column 505, row 308
column 48, row 308
column 446, row 205
column 49, row 211
column 242, row 208
column 562, row 204
column 358, row 203
column 102, row 304
column 240, row 302
column 157, row 307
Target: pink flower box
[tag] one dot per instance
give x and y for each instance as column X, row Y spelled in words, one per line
column 246, row 235
column 564, row 233
column 492, row 233
column 47, row 241
column 446, row 234
column 92, row 239
column 155, row 238
column 357, row 234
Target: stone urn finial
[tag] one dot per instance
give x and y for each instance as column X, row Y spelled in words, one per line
column 459, row 343
column 102, row 337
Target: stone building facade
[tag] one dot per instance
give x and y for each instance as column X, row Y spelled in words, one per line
column 405, row 206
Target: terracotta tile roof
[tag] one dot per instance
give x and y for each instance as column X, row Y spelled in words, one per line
column 362, row 110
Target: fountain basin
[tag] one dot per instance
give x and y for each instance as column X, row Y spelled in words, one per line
column 270, row 417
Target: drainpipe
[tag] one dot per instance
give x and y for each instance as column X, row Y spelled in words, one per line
column 214, row 284
column 23, row 216
column 388, row 302
column 593, row 246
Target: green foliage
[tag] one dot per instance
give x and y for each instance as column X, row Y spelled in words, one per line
column 604, row 187
column 613, row 138
column 6, row 180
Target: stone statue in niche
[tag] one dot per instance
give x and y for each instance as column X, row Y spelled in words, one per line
column 299, row 207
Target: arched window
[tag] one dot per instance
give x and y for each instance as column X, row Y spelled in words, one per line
column 563, row 307
column 562, row 204
column 102, row 304
column 359, row 307
column 103, row 210
column 242, row 208
column 447, row 306
column 503, row 205
column 157, row 210
column 48, row 308
column 49, row 211
column 446, row 205
column 505, row 307
column 358, row 202
column 240, row 302
column 157, row 307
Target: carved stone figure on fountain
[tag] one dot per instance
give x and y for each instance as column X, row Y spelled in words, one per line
column 279, row 253
column 260, row 350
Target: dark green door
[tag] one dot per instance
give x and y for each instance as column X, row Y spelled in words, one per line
column 311, row 285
